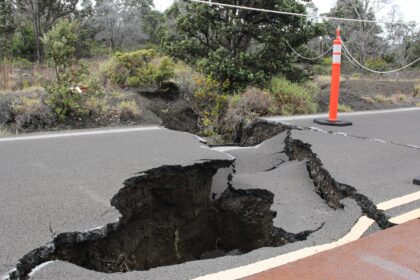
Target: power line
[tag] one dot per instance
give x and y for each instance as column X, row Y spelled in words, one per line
column 296, row 14
column 375, row 71
column 308, row 58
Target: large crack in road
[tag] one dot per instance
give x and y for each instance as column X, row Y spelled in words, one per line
column 170, row 215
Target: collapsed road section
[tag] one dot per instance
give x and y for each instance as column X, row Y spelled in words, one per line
column 172, row 215
column 168, row 218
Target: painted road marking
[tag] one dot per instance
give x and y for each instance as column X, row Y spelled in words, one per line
column 79, row 133
column 355, row 233
column 363, row 113
column 415, row 214
column 393, row 203
column 392, row 267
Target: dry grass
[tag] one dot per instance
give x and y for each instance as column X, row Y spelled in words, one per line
column 128, row 110
column 397, row 98
column 16, row 76
column 30, row 112
column 344, row 108
column 4, row 132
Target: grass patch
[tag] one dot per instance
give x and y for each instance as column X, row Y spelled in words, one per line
column 128, row 109
column 344, row 108
column 291, row 98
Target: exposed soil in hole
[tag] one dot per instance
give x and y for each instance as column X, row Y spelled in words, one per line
column 169, row 218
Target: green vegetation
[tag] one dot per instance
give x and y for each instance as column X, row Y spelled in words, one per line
column 139, row 68
column 128, row 110
column 244, row 48
column 292, row 98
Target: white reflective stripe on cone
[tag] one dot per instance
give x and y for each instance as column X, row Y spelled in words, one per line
column 336, row 59
column 337, row 49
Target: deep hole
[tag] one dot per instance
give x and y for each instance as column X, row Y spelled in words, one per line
column 169, row 218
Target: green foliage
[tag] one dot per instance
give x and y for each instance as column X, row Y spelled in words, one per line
column 23, row 43
column 64, row 101
column 242, row 47
column 128, row 109
column 377, row 64
column 211, row 102
column 291, row 98
column 139, row 68
column 60, row 43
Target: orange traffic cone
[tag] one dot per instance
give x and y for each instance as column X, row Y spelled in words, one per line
column 335, row 87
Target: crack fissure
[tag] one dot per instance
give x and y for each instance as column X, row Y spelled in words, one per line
column 327, row 187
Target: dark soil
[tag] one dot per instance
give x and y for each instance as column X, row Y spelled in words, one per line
column 363, row 94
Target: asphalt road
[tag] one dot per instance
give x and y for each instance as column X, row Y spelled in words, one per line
column 63, row 182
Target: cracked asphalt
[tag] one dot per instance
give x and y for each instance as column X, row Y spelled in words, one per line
column 60, row 184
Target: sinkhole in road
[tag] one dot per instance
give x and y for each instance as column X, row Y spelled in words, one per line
column 169, row 216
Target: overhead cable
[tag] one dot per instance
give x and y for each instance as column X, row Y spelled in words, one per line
column 297, row 14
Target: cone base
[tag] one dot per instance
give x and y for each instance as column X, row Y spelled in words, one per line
column 326, row 121
column 416, row 181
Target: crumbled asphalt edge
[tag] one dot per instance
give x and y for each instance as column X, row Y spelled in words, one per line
column 246, row 226
column 327, row 187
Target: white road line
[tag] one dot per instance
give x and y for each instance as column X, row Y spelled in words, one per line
column 244, row 271
column 412, row 215
column 355, row 233
column 363, row 113
column 78, row 133
column 399, row 201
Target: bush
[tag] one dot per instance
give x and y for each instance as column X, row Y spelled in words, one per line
column 185, row 78
column 291, row 98
column 30, row 113
column 139, row 68
column 60, row 44
column 128, row 110
column 64, row 101
column 210, row 102
column 243, row 109
column 377, row 64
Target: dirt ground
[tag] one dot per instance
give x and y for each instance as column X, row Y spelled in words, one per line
column 372, row 93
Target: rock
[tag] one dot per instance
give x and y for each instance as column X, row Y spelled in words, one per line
column 181, row 117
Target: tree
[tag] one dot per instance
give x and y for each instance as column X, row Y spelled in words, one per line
column 7, row 26
column 60, row 43
column 401, row 38
column 44, row 14
column 118, row 25
column 362, row 38
column 239, row 46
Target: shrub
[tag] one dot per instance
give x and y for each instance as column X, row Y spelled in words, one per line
column 291, row 98
column 321, row 70
column 30, row 113
column 185, row 77
column 344, row 108
column 139, row 68
column 416, row 91
column 210, row 102
column 377, row 64
column 60, row 44
column 64, row 101
column 243, row 109
column 95, row 105
column 128, row 110
column 4, row 132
